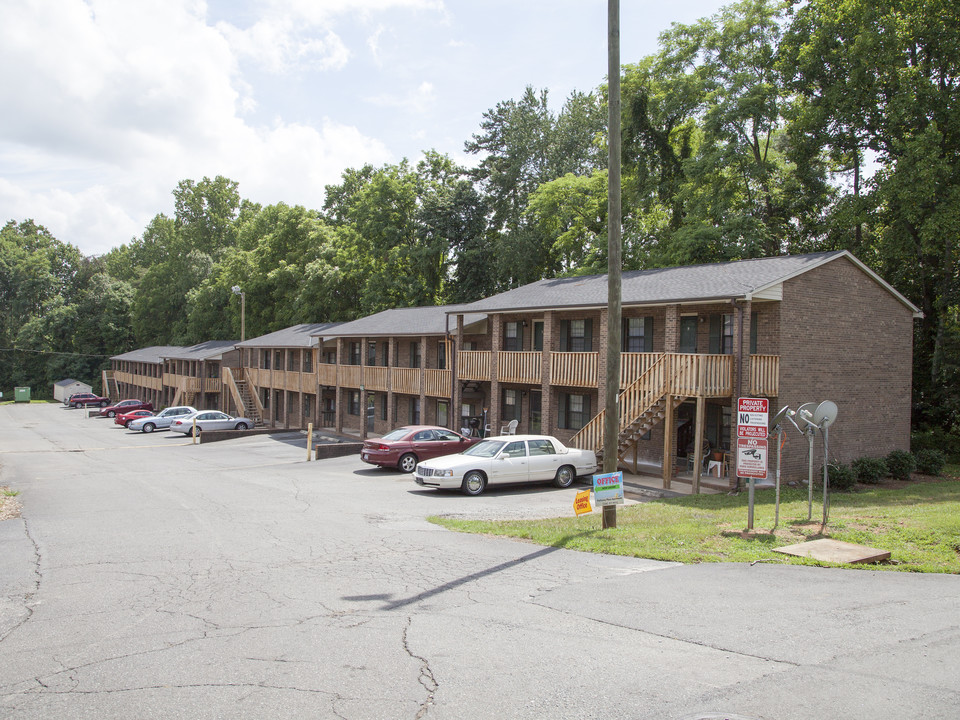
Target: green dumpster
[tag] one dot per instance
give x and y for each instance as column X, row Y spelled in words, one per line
column 21, row 394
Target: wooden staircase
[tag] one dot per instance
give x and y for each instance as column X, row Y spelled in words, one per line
column 110, row 387
column 244, row 396
column 643, row 405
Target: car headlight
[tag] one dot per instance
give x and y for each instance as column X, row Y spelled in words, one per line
column 446, row 473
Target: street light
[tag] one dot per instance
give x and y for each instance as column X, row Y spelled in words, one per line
column 243, row 311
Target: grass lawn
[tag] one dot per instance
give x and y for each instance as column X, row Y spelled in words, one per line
column 918, row 523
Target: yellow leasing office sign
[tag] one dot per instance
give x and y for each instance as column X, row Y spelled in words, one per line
column 581, row 504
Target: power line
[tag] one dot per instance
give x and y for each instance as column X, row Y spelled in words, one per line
column 52, row 352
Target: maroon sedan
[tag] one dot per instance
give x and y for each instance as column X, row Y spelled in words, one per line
column 124, row 406
column 404, row 447
column 127, row 418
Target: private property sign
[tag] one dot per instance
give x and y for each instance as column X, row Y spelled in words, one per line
column 752, row 417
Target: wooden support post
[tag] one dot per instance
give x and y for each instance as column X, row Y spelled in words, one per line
column 309, row 440
column 668, row 430
column 698, row 444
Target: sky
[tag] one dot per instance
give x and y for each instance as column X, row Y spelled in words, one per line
column 108, row 104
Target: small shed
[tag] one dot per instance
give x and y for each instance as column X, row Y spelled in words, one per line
column 63, row 389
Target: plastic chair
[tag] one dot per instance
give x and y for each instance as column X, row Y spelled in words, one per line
column 510, row 428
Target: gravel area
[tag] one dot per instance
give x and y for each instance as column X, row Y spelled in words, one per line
column 9, row 506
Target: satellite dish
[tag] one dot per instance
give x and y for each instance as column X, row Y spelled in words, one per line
column 778, row 418
column 805, row 413
column 825, row 414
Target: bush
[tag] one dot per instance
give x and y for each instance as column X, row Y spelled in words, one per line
column 870, row 470
column 842, row 477
column 900, row 464
column 930, row 462
column 937, row 438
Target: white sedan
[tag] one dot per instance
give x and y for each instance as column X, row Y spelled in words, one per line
column 209, row 420
column 507, row 459
column 162, row 420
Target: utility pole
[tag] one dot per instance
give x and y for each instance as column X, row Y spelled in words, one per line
column 611, row 424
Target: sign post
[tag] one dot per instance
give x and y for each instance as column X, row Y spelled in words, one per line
column 752, row 417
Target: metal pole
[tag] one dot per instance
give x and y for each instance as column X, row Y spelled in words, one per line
column 611, row 425
column 826, row 478
column 243, row 316
column 778, row 438
column 750, row 484
column 809, row 434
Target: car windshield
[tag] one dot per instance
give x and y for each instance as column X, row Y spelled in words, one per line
column 397, row 434
column 487, row 448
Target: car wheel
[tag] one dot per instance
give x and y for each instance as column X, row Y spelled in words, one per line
column 194, row 431
column 241, row 426
column 408, row 462
column 103, row 403
column 149, row 427
column 76, row 406
column 474, row 483
column 565, row 477
column 111, row 414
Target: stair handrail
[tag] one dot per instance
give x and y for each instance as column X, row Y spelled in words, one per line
column 234, row 390
column 255, row 396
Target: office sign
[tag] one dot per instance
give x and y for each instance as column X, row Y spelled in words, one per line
column 608, row 488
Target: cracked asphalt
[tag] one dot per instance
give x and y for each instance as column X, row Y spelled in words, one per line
column 152, row 578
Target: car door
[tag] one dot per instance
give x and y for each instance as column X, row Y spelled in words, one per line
column 424, row 444
column 448, row 443
column 511, row 464
column 544, row 460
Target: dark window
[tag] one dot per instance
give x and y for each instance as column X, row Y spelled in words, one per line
column 538, row 335
column 511, row 406
column 353, row 404
column 753, row 333
column 265, row 357
column 414, row 411
column 442, row 357
column 574, row 411
column 721, row 334
column 637, row 334
column 576, row 335
column 385, row 353
column 371, row 353
column 512, row 337
column 415, row 355
column 443, row 413
column 354, row 353
column 307, row 361
column 383, row 407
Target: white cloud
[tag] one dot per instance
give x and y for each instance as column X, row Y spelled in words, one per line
column 108, row 104
column 419, row 100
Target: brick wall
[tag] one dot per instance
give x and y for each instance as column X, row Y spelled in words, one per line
column 845, row 338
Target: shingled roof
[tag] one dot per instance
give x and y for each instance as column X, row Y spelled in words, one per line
column 416, row 321
column 202, row 351
column 153, row 354
column 689, row 283
column 296, row 336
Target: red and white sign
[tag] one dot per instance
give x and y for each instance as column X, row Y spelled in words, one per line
column 753, row 414
column 752, row 458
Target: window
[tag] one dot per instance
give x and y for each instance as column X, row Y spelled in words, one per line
column 353, row 402
column 469, row 345
column 354, row 353
column 753, row 333
column 330, row 357
column 688, row 334
column 443, row 412
column 415, row 355
column 278, row 364
column 307, row 361
column 511, row 409
column 385, row 353
column 541, row 447
column 512, row 337
column 414, row 411
column 265, row 359
column 516, row 449
column 308, row 406
column 721, row 334
column 574, row 411
column 637, row 334
column 371, row 353
column 442, row 356
column 576, row 335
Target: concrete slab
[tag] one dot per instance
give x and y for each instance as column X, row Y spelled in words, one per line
column 835, row 551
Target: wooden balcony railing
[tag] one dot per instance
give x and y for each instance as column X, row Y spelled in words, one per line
column 578, row 369
column 406, row 380
column 327, row 374
column 376, row 377
column 765, row 375
column 473, row 365
column 703, row 375
column 519, row 367
column 143, row 381
column 437, row 383
column 351, row 376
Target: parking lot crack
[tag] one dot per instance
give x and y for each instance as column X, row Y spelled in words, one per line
column 34, row 586
column 426, row 677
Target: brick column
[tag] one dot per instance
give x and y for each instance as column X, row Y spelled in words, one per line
column 496, row 340
column 546, row 389
column 338, row 392
column 456, row 402
column 671, row 329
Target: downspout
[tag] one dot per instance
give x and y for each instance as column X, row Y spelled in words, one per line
column 453, row 367
column 739, row 349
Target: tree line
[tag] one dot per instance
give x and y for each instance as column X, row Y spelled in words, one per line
column 769, row 128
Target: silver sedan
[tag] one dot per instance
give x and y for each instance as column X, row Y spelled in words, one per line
column 209, row 420
column 162, row 420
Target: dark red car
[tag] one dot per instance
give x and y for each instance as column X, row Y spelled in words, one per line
column 124, row 406
column 125, row 419
column 404, row 447
column 83, row 399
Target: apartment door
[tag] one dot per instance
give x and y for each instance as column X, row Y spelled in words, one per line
column 688, row 334
column 536, row 421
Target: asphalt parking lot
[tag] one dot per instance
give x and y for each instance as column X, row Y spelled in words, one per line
column 153, row 578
